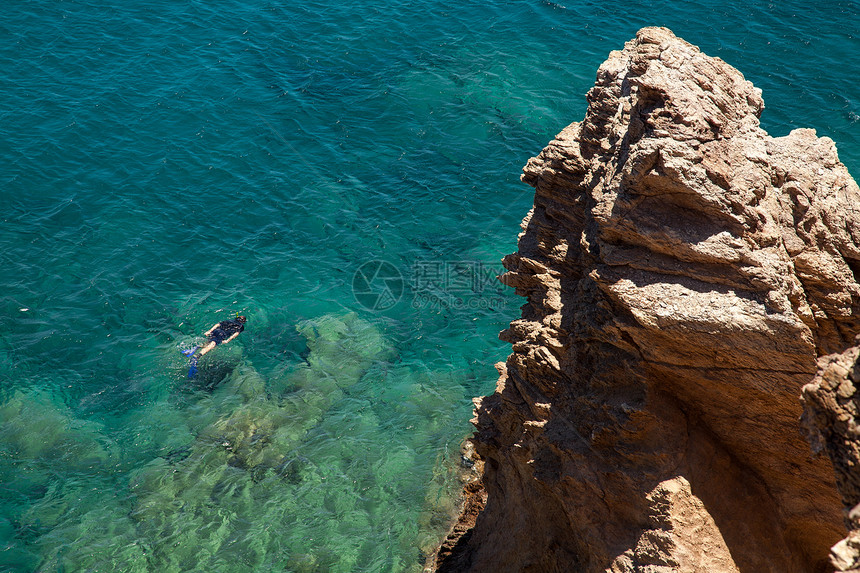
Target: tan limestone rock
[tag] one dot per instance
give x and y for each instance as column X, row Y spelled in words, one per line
column 683, row 272
column 831, row 418
column 683, row 536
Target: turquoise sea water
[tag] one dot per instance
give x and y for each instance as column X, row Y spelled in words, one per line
column 346, row 175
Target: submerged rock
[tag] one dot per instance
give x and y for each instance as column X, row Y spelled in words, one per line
column 40, row 433
column 247, row 450
column 684, row 271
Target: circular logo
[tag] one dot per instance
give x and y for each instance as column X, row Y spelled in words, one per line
column 377, row 285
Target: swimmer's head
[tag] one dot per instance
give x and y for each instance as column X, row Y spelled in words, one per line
column 241, row 318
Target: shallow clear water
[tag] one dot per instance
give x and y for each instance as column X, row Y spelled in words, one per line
column 347, row 177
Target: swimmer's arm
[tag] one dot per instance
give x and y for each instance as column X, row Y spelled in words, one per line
column 208, row 332
column 232, row 336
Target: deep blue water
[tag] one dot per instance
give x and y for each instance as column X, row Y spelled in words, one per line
column 347, row 176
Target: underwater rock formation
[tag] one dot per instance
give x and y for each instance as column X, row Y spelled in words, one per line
column 245, row 448
column 683, row 271
column 287, row 465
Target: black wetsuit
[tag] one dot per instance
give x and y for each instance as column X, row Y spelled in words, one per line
column 226, row 329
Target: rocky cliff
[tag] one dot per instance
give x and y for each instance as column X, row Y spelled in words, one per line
column 831, row 418
column 684, row 271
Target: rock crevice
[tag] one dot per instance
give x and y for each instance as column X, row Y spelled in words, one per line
column 831, row 420
column 683, row 272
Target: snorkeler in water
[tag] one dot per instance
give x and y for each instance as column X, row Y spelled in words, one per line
column 221, row 333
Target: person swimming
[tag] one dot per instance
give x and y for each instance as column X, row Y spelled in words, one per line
column 221, row 333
